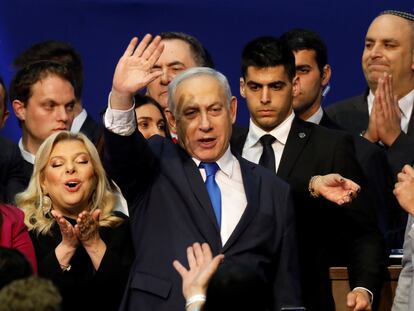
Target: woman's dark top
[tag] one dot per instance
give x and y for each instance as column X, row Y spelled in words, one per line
column 83, row 288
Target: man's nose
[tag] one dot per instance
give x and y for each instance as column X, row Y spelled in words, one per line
column 265, row 98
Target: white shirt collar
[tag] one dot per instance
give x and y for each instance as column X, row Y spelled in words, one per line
column 280, row 132
column 405, row 103
column 316, row 117
column 78, row 121
column 26, row 154
column 225, row 163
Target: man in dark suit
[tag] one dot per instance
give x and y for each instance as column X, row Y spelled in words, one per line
column 389, row 50
column 65, row 54
column 328, row 234
column 171, row 207
column 11, row 162
column 314, row 73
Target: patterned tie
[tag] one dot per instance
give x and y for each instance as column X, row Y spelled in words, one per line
column 268, row 156
column 212, row 188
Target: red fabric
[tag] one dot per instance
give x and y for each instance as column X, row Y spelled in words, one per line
column 14, row 233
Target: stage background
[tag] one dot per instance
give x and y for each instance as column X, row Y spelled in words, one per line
column 101, row 29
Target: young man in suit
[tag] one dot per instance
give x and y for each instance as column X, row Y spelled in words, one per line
column 328, row 234
column 43, row 99
column 242, row 211
column 65, row 54
column 12, row 179
column 314, row 73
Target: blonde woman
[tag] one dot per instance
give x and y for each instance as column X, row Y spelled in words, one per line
column 80, row 242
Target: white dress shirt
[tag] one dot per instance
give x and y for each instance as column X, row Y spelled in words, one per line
column 405, row 104
column 253, row 148
column 316, row 117
column 228, row 177
column 78, row 121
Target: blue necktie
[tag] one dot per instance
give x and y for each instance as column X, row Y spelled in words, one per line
column 212, row 188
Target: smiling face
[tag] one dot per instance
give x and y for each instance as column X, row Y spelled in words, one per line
column 268, row 92
column 175, row 58
column 203, row 117
column 69, row 178
column 389, row 47
column 48, row 110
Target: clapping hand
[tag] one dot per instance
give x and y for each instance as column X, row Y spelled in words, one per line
column 336, row 188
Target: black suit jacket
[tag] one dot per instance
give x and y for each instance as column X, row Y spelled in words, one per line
column 12, row 179
column 92, row 129
column 373, row 161
column 170, row 209
column 329, row 235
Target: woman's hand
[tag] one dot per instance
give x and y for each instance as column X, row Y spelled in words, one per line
column 87, row 231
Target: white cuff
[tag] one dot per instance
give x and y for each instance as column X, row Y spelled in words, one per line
column 121, row 122
column 366, row 289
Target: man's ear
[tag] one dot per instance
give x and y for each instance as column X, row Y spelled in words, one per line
column 6, row 115
column 172, row 122
column 233, row 109
column 295, row 86
column 19, row 109
column 326, row 75
column 242, row 87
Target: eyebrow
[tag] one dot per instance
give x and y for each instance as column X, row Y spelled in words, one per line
column 368, row 39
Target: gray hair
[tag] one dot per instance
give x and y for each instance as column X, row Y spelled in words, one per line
column 195, row 72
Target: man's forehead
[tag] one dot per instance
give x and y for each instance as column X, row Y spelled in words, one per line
column 197, row 87
column 258, row 74
column 175, row 50
column 388, row 23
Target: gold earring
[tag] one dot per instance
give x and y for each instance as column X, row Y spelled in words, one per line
column 46, row 205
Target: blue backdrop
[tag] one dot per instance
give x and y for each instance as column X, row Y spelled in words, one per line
column 101, row 29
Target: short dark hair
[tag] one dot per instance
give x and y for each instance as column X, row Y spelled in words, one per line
column 200, row 54
column 265, row 52
column 3, row 85
column 59, row 51
column 21, row 85
column 302, row 39
column 13, row 266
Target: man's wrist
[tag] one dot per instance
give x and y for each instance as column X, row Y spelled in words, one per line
column 367, row 291
column 311, row 187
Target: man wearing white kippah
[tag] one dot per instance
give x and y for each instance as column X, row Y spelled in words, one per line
column 383, row 114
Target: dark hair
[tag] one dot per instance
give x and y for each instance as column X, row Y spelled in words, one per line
column 21, row 85
column 58, row 51
column 5, row 93
column 13, row 266
column 265, row 52
column 141, row 100
column 201, row 56
column 239, row 287
column 302, row 39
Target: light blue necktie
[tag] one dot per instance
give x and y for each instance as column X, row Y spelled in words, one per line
column 212, row 188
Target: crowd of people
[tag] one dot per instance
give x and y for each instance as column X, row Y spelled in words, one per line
column 168, row 204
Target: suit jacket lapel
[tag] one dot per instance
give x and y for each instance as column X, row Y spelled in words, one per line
column 251, row 183
column 410, row 131
column 238, row 138
column 297, row 139
column 205, row 220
